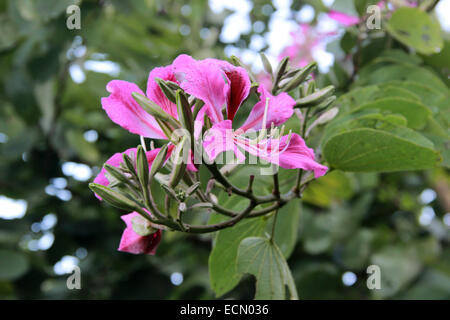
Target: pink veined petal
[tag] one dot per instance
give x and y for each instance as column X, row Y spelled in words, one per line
column 155, row 93
column 281, row 108
column 239, row 85
column 343, row 18
column 116, row 159
column 126, row 112
column 204, row 80
column 221, row 138
column 131, row 242
column 295, row 155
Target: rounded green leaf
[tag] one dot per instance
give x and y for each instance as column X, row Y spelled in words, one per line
column 416, row 29
column 367, row 150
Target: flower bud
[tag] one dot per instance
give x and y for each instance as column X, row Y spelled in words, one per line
column 114, row 198
column 159, row 160
column 179, row 159
column 153, row 109
column 266, row 63
column 315, row 98
column 299, row 77
column 115, row 174
column 192, row 188
column 168, row 92
column 142, row 167
column 184, row 112
column 281, row 69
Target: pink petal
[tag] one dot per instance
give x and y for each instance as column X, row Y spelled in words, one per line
column 204, row 80
column 281, row 108
column 239, row 85
column 345, row 19
column 126, row 112
column 296, row 155
column 221, row 138
column 133, row 243
column 155, row 93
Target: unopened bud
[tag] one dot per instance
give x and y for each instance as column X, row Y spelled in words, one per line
column 153, row 109
column 142, row 166
column 299, row 77
column 168, row 92
column 184, row 112
column 179, row 159
column 315, row 98
column 114, row 198
column 266, row 63
column 159, row 160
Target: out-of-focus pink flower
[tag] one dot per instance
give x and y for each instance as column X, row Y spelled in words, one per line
column 306, row 40
column 216, row 82
column 343, row 18
column 132, row 242
column 264, row 79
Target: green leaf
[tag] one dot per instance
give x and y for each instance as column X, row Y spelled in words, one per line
column 17, row 264
column 416, row 113
column 417, row 29
column 378, row 150
column 263, row 259
column 380, row 74
column 223, row 273
column 286, row 227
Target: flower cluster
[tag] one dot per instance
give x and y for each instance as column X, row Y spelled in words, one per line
column 192, row 104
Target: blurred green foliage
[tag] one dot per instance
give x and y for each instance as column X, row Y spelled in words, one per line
column 346, row 222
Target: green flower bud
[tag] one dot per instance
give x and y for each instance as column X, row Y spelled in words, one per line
column 113, row 198
column 142, row 167
column 168, row 92
column 266, row 63
column 159, row 160
column 179, row 159
column 315, row 98
column 184, row 112
column 153, row 109
column 299, row 77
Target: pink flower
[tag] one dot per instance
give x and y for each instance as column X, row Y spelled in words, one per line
column 306, row 41
column 289, row 151
column 132, row 242
column 217, row 83
column 343, row 18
